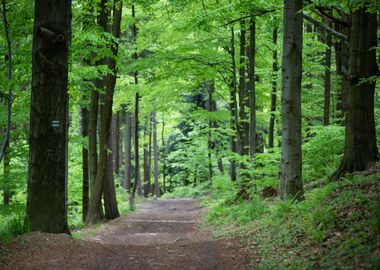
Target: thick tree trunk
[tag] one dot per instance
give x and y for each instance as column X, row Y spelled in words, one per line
column 327, row 81
column 252, row 88
column 360, row 151
column 85, row 169
column 274, row 90
column 47, row 182
column 94, row 215
column 233, row 108
column 155, row 156
column 291, row 156
column 146, row 158
column 110, row 203
column 128, row 150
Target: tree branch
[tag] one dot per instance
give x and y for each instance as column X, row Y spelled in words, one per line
column 253, row 14
column 326, row 28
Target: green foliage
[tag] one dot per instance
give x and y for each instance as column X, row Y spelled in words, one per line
column 12, row 221
column 336, row 226
column 323, row 152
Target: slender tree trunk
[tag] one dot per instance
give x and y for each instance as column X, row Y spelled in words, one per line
column 137, row 183
column 48, row 144
column 163, row 156
column 85, row 169
column 252, row 88
column 291, row 186
column 155, row 156
column 94, row 215
column 116, row 143
column 94, row 112
column 210, row 85
column 327, row 81
column 243, row 125
column 274, row 90
column 6, row 189
column 360, row 151
column 128, row 148
column 10, row 94
column 146, row 158
column 233, row 108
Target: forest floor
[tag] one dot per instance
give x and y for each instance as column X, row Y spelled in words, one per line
column 162, row 234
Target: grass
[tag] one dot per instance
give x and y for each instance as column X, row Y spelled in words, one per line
column 337, row 226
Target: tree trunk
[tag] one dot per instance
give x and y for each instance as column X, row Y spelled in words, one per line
column 327, row 81
column 146, row 158
column 94, row 215
column 274, row 90
column 155, row 156
column 48, row 144
column 110, row 203
column 10, row 94
column 360, row 151
column 85, row 170
column 163, row 156
column 233, row 108
column 6, row 189
column 128, row 148
column 252, row 88
column 243, row 125
column 116, row 143
column 291, row 186
column 137, row 183
column 211, row 107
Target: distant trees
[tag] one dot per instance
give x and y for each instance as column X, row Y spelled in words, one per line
column 48, row 142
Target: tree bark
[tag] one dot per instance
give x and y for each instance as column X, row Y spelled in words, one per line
column 10, row 94
column 47, row 181
column 85, row 169
column 94, row 215
column 274, row 90
column 110, row 203
column 137, row 183
column 128, row 148
column 327, row 81
column 252, row 88
column 360, row 151
column 155, row 156
column 116, row 143
column 243, row 125
column 6, row 189
column 146, row 158
column 291, row 186
column 233, row 108
column 163, row 156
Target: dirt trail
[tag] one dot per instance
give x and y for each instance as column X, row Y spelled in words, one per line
column 162, row 234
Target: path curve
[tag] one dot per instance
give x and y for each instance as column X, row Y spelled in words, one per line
column 162, row 234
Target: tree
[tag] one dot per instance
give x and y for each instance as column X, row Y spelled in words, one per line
column 9, row 96
column 47, row 182
column 94, row 214
column 274, row 89
column 155, row 156
column 291, row 156
column 360, row 150
column 128, row 148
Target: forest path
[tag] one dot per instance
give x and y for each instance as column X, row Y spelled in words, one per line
column 162, row 234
